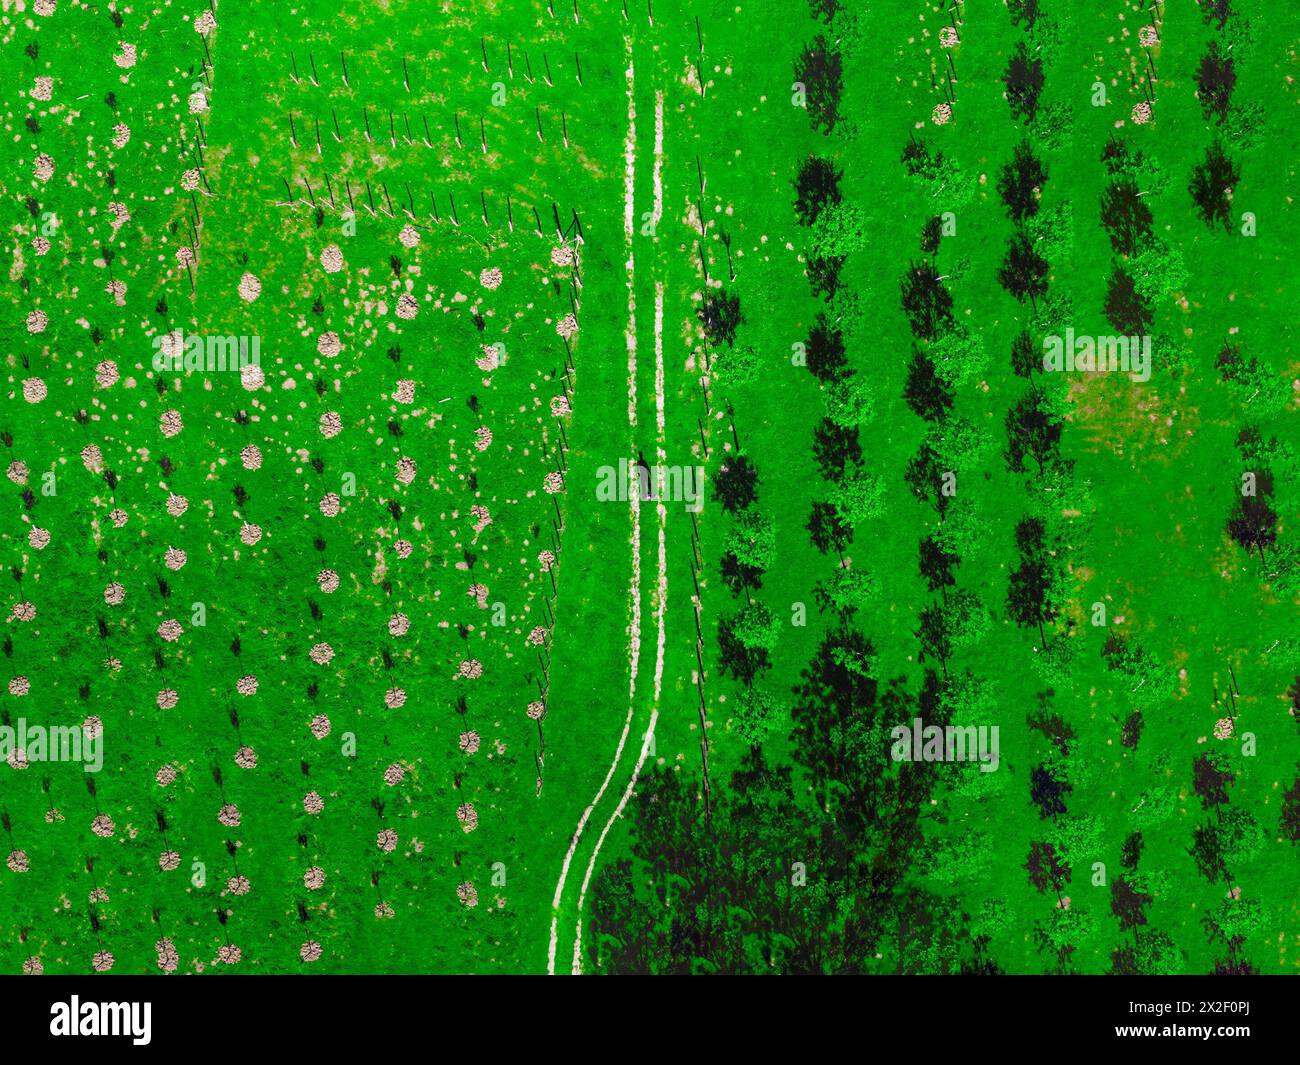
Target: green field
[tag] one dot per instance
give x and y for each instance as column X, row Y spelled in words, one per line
column 383, row 681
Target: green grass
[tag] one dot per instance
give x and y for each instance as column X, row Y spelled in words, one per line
column 1155, row 464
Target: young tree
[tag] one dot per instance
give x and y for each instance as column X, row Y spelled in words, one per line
column 1216, row 12
column 735, row 485
column 1158, row 270
column 1207, row 852
column 1053, row 726
column 817, row 186
column 1212, row 184
column 931, row 235
column 1253, row 523
column 744, row 642
column 1149, row 683
column 1130, row 733
column 1289, row 822
column 1153, row 954
column 1125, row 216
column 758, row 712
column 927, row 304
column 1211, row 779
column 1055, row 662
column 1125, row 309
column 824, row 350
column 1254, row 384
column 958, row 443
column 962, row 524
column 1130, row 853
column 1021, row 183
column 825, row 10
column 721, row 316
column 951, row 626
column 1027, row 596
column 1026, row 360
column 827, row 530
column 740, row 577
column 835, row 447
column 925, row 393
column 1215, row 79
column 936, row 566
column 1129, row 904
column 1047, row 871
column 1048, row 792
column 1242, row 836
column 959, row 356
column 820, row 69
column 824, row 275
column 859, row 498
column 1235, row 921
column 1025, row 11
column 752, row 539
column 849, row 400
column 1023, row 272
column 1024, row 81
column 848, row 589
column 840, row 230
column 1032, row 432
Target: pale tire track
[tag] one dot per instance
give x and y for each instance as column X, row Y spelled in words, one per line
column 661, row 606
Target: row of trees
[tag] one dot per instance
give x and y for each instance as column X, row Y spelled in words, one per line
column 1233, row 835
column 795, row 868
column 747, row 638
column 1036, row 588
